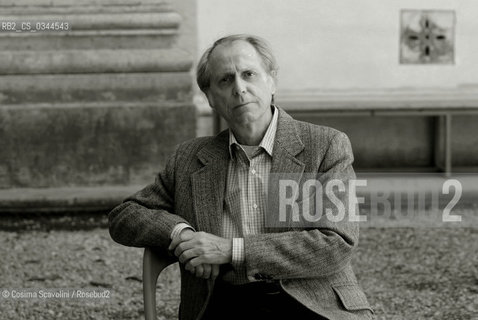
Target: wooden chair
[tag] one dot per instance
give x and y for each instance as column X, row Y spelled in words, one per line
column 154, row 261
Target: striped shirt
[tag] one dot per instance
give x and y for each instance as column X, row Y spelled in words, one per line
column 246, row 194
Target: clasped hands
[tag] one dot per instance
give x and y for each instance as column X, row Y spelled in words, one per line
column 202, row 253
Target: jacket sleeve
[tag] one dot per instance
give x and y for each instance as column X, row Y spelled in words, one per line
column 320, row 251
column 147, row 217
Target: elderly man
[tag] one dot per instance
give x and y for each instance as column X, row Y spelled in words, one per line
column 209, row 206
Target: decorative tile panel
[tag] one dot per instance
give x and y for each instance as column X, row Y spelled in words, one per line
column 427, row 37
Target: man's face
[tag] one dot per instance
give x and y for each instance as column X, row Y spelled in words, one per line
column 240, row 89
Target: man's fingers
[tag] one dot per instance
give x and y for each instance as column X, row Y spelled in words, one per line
column 189, row 254
column 199, row 271
column 185, row 235
column 207, row 271
column 193, row 263
column 189, row 268
column 215, row 271
column 183, row 246
column 174, row 243
column 212, row 249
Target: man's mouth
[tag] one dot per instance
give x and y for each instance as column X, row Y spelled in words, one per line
column 241, row 105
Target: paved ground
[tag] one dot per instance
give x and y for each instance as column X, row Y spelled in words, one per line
column 422, row 272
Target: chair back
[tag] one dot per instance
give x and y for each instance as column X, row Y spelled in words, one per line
column 154, row 261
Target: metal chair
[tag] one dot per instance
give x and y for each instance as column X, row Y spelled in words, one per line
column 154, row 261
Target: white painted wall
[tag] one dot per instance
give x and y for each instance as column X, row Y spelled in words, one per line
column 343, row 44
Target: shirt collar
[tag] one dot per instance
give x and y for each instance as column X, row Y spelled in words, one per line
column 267, row 142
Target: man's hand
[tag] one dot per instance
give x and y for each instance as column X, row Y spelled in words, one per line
column 201, row 270
column 206, row 271
column 186, row 234
column 199, row 248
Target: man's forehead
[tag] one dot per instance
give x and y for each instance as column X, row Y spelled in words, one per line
column 228, row 52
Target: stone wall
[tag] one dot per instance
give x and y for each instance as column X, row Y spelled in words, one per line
column 100, row 104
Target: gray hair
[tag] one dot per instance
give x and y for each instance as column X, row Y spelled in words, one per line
column 203, row 72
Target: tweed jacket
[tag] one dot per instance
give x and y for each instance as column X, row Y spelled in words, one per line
column 312, row 264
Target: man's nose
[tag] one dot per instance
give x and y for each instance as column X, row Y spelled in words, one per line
column 239, row 86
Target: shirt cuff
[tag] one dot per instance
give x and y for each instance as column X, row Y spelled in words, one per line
column 238, row 255
column 178, row 228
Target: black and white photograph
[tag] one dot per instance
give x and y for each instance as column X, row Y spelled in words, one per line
column 238, row 159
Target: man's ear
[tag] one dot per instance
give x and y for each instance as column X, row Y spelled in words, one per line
column 273, row 79
column 209, row 99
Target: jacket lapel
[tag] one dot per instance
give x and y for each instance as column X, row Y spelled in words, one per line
column 286, row 146
column 285, row 165
column 209, row 184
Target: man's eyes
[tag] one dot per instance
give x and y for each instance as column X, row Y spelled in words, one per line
column 225, row 79
column 229, row 78
column 249, row 74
